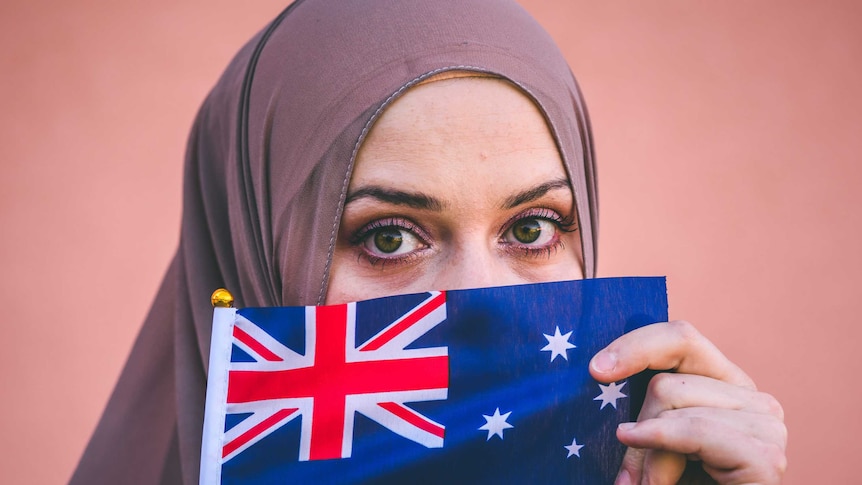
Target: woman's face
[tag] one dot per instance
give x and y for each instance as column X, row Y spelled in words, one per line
column 458, row 185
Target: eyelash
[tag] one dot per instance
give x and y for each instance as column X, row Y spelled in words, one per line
column 369, row 229
column 563, row 224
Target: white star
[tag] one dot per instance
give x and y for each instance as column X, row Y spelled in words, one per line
column 558, row 344
column 496, row 423
column 610, row 394
column 574, row 448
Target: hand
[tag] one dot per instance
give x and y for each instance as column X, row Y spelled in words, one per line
column 706, row 409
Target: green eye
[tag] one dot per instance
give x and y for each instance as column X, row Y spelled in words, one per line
column 388, row 239
column 527, row 230
column 532, row 232
column 391, row 239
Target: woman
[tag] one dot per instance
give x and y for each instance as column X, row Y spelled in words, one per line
column 360, row 148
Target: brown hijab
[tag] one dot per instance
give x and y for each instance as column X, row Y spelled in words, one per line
column 267, row 168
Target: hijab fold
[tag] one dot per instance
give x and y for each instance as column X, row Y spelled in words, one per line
column 266, row 172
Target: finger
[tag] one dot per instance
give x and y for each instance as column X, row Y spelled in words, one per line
column 762, row 427
column 632, row 467
column 662, row 467
column 735, row 447
column 674, row 346
column 650, row 466
column 668, row 391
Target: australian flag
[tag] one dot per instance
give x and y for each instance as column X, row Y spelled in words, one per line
column 487, row 385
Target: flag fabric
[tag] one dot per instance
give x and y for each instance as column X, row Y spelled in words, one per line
column 479, row 386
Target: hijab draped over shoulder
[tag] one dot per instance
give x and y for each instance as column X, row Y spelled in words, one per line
column 266, row 172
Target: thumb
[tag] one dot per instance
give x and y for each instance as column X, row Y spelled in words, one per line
column 632, row 467
column 650, row 466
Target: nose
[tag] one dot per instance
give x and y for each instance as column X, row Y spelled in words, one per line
column 474, row 266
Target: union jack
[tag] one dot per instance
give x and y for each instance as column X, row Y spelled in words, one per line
column 335, row 378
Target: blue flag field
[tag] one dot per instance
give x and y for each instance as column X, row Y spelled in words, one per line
column 487, row 385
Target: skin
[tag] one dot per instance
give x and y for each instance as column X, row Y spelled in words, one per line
column 440, row 199
column 418, row 172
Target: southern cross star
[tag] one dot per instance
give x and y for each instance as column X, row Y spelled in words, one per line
column 574, row 448
column 558, row 344
column 496, row 423
column 610, row 394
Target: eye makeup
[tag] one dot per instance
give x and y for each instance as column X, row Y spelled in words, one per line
column 535, row 232
column 390, row 240
column 531, row 233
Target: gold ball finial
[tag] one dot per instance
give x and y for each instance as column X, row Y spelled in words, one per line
column 222, row 298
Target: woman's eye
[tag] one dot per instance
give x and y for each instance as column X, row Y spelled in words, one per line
column 390, row 241
column 531, row 231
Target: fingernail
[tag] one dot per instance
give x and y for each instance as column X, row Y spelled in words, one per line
column 623, row 478
column 626, row 426
column 605, row 361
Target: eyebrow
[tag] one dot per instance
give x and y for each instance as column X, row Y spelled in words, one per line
column 416, row 200
column 534, row 193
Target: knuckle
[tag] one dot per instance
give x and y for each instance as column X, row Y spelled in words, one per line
column 776, row 459
column 772, row 405
column 661, row 385
column 685, row 330
column 773, row 432
column 781, row 432
column 661, row 437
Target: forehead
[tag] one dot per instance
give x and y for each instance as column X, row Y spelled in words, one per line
column 483, row 106
column 456, row 128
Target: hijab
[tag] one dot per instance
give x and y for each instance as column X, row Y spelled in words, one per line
column 267, row 168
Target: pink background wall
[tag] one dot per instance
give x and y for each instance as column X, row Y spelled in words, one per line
column 728, row 137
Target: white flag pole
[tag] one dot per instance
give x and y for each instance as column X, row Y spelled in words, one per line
column 216, row 400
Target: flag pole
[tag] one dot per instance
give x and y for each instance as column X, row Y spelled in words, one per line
column 220, row 346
